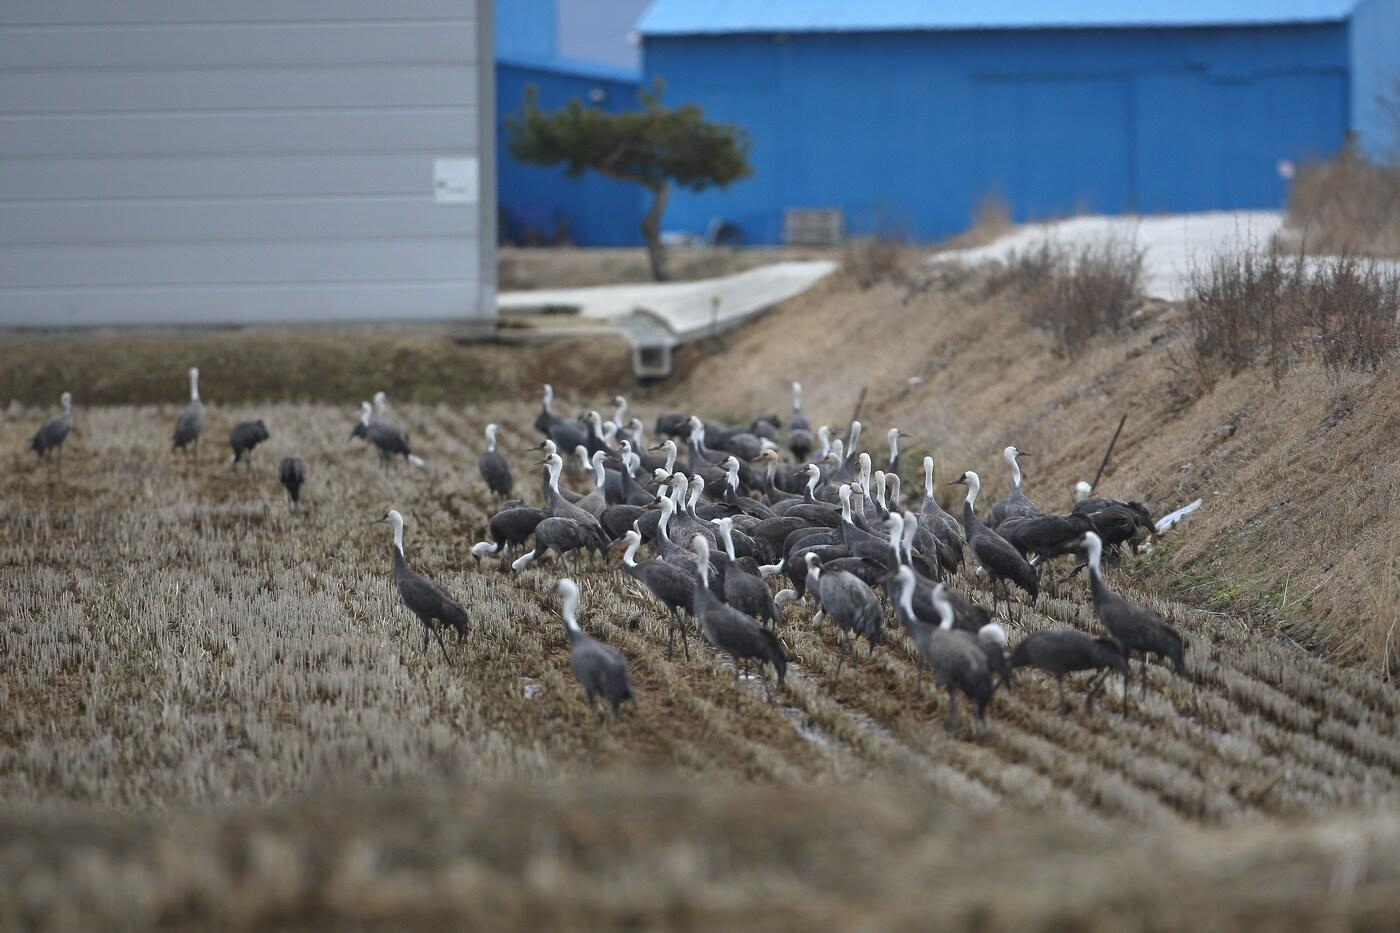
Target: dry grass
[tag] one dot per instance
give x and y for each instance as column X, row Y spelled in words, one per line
column 1273, row 311
column 1300, row 510
column 325, row 365
column 1346, row 205
column 174, row 639
column 1075, row 294
column 685, row 856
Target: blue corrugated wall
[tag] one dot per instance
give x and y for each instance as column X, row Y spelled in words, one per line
column 597, row 211
column 913, row 130
column 1375, row 77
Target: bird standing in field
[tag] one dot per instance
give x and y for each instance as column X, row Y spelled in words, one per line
column 243, row 438
column 291, row 473
column 54, row 431
column 997, row 557
column 601, row 669
column 1134, row 627
column 494, row 469
column 1065, row 651
column 730, row 630
column 390, row 439
column 189, row 424
column 424, row 598
column 958, row 661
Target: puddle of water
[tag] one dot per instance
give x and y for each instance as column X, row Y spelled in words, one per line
column 531, row 687
column 807, row 729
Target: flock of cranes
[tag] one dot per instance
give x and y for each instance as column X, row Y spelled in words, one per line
column 737, row 512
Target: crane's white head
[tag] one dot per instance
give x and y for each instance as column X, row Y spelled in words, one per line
column 581, row 452
column 66, row 400
column 797, row 396
column 194, row 383
column 547, row 395
column 1082, row 490
column 972, row 481
column 555, row 465
column 845, row 493
column 600, row 471
column 381, row 402
column 568, row 592
column 911, row 528
column 838, row 451
column 365, row 412
column 814, row 566
column 395, row 521
column 879, row 488
column 944, row 608
column 864, row 461
column 993, row 634
column 549, row 447
column 893, row 436
column 894, row 524
column 701, row 546
column 731, row 470
column 491, row 430
column 1093, row 548
column 610, row 431
column 1012, row 456
column 904, row 576
column 697, row 489
column 632, row 540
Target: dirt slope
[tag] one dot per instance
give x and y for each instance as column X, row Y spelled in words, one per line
column 1300, row 525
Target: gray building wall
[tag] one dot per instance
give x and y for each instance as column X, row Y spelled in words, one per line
column 241, row 161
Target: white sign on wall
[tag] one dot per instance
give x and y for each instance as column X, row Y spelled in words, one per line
column 456, row 181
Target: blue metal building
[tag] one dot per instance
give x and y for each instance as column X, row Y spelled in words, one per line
column 909, row 113
column 566, row 49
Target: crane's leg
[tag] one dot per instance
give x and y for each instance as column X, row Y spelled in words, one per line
column 427, row 628
column 437, row 630
column 685, row 637
column 952, row 724
column 671, row 635
column 1142, row 673
column 840, row 653
column 764, row 677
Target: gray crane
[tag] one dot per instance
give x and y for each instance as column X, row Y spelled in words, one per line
column 670, row 585
column 1015, row 505
column 601, row 669
column 389, row 439
column 743, row 590
column 1001, row 561
column 433, row 606
column 54, row 431
column 1134, row 627
column 243, row 438
column 730, row 630
column 937, row 519
column 558, row 506
column 1066, row 651
column 563, row 536
column 189, row 424
column 494, row 469
column 508, row 530
column 799, row 431
column 850, row 603
column 564, row 433
column 958, row 661
column 291, row 473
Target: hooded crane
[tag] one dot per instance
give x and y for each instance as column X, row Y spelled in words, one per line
column 1015, row 505
column 670, row 585
column 958, row 662
column 601, row 669
column 424, row 598
column 1065, row 651
column 559, row 507
column 730, row 630
column 508, row 529
column 745, row 591
column 937, row 520
column 243, row 438
column 1134, row 627
column 390, row 439
column 997, row 557
column 189, row 424
column 54, row 431
column 291, row 473
column 494, row 469
column 851, row 604
column 564, row 433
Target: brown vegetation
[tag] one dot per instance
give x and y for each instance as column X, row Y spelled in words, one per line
column 1273, row 311
column 1075, row 294
column 1346, row 205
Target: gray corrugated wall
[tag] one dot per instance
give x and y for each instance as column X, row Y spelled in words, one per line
column 234, row 161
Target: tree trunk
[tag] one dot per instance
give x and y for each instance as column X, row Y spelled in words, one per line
column 651, row 231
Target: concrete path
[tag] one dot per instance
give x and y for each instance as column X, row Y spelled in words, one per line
column 1175, row 244
column 687, row 309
